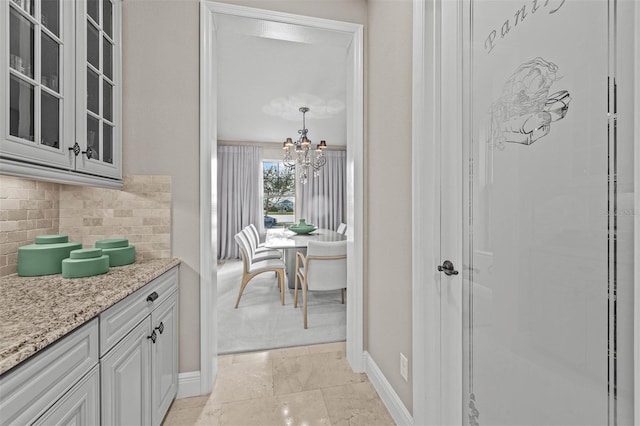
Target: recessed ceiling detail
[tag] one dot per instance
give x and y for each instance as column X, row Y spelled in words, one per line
column 267, row 71
column 289, row 107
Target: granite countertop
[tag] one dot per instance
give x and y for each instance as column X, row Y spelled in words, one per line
column 37, row 311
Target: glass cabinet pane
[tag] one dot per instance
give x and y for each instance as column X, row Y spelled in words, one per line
column 26, row 5
column 92, row 9
column 107, row 59
column 50, row 67
column 21, row 44
column 107, row 143
column 21, row 116
column 107, row 102
column 93, row 92
column 107, row 17
column 50, row 15
column 50, row 132
column 93, row 45
column 93, row 136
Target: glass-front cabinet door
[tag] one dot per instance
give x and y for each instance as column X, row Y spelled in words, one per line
column 60, row 89
column 37, row 81
column 98, row 59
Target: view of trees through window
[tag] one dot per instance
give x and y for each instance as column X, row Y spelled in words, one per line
column 279, row 193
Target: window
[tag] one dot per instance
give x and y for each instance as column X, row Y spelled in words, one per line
column 279, row 193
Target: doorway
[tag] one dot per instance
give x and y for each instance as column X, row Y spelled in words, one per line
column 210, row 12
column 535, row 175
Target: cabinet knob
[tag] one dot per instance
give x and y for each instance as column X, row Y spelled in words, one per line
column 153, row 336
column 75, row 148
column 152, row 297
column 89, row 152
column 160, row 328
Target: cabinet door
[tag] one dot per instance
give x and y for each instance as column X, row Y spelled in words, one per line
column 98, row 82
column 126, row 379
column 164, row 379
column 79, row 406
column 37, row 66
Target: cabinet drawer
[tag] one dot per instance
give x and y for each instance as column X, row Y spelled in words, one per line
column 122, row 317
column 29, row 389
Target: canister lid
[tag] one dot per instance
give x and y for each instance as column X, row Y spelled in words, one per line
column 52, row 239
column 88, row 253
column 112, row 243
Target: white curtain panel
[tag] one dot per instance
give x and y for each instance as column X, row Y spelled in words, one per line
column 239, row 195
column 322, row 200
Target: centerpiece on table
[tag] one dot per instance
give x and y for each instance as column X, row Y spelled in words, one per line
column 302, row 227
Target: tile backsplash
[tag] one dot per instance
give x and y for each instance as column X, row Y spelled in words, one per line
column 28, row 208
column 140, row 212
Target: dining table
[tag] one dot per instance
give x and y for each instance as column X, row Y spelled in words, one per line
column 291, row 243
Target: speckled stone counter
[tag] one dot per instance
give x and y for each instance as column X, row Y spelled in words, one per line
column 37, row 311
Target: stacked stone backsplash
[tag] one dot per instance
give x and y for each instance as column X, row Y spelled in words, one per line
column 28, row 208
column 140, row 212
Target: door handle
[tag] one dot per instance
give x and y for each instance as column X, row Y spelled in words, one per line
column 448, row 268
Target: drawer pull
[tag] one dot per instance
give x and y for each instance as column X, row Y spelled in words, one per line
column 160, row 328
column 153, row 336
column 152, row 297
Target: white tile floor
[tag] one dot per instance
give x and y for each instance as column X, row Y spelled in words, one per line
column 305, row 385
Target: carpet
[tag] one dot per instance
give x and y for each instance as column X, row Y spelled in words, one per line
column 262, row 323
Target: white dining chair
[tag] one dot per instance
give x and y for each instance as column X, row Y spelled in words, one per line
column 256, row 237
column 324, row 268
column 252, row 268
column 342, row 228
column 259, row 253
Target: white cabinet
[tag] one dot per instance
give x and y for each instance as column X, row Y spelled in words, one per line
column 30, row 389
column 164, row 358
column 120, row 368
column 98, row 82
column 126, row 379
column 79, row 406
column 60, row 90
column 139, row 365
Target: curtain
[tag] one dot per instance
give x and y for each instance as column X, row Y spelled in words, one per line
column 239, row 195
column 322, row 200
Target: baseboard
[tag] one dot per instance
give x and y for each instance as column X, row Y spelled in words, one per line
column 188, row 384
column 388, row 395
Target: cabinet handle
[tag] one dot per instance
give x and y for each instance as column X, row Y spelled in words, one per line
column 152, row 297
column 153, row 336
column 89, row 152
column 160, row 328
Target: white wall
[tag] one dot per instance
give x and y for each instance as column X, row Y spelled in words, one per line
column 388, row 205
column 161, row 132
column 161, row 99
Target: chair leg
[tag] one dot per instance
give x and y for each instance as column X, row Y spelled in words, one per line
column 245, row 280
column 342, row 293
column 295, row 291
column 281, row 277
column 304, row 297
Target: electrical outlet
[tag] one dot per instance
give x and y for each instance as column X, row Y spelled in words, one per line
column 404, row 367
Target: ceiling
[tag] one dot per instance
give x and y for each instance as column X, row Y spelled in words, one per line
column 268, row 70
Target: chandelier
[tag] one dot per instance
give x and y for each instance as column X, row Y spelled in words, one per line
column 305, row 160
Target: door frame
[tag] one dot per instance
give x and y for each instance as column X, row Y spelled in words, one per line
column 437, row 69
column 208, row 185
column 437, row 46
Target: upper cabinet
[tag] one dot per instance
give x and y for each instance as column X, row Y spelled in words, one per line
column 61, row 90
column 98, row 74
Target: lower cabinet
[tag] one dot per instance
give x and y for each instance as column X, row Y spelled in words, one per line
column 118, row 369
column 79, row 406
column 164, row 358
column 140, row 373
column 126, row 379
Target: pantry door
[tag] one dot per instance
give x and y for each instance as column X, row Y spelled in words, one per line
column 546, row 170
